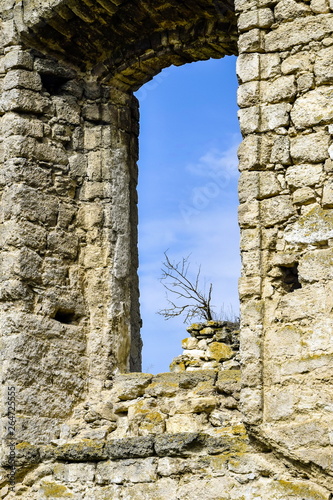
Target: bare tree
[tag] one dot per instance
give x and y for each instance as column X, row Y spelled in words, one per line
column 194, row 303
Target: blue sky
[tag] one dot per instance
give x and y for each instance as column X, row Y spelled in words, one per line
column 189, row 135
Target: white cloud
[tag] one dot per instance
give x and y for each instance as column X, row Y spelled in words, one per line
column 216, row 163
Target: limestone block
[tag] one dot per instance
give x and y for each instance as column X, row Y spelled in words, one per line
column 287, row 10
column 281, row 89
column 283, row 342
column 23, row 100
column 92, row 190
column 251, row 41
column 54, row 272
column 18, row 146
column 302, row 303
column 9, row 33
column 74, row 472
column 66, row 215
column 24, row 263
column 94, row 168
column 317, row 265
column 67, row 109
column 279, row 402
column 241, row 5
column 175, row 443
column 304, row 196
column 319, row 6
column 207, row 489
column 300, row 31
column 249, row 286
column 248, row 186
column 94, row 256
column 48, row 488
column 31, row 204
column 328, row 194
column 182, row 423
column 22, row 233
column 50, row 154
column 250, row 239
column 248, row 67
column 305, row 82
column 248, row 214
column 276, row 209
column 313, row 108
column 63, row 243
column 322, row 68
column 19, row 78
column 303, row 433
column 78, row 165
column 248, row 94
column 317, row 340
column 312, row 148
column 163, row 489
column 250, row 262
column 163, row 385
column 262, row 18
column 133, row 470
column 194, row 353
column 315, row 226
column 251, row 404
column 15, row 124
column 228, row 381
column 274, row 116
column 131, row 385
column 188, row 343
column 304, row 175
column 269, row 65
column 281, row 150
column 249, row 119
column 90, row 216
column 92, row 137
column 130, row 447
column 168, row 466
column 219, row 351
column 296, row 63
column 15, row 289
column 249, row 152
column 18, row 59
column 268, row 185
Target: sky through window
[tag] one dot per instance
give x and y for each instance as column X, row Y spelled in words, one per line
column 189, row 135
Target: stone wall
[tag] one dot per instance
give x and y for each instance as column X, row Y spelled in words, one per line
column 69, row 314
column 176, row 435
column 285, row 216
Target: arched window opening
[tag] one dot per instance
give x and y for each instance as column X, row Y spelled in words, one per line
column 188, row 176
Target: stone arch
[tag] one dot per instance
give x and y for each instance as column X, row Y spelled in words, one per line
column 126, row 43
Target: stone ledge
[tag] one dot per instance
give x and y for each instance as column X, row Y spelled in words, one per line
column 232, row 440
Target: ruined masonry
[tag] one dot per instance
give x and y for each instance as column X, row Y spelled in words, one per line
column 227, row 423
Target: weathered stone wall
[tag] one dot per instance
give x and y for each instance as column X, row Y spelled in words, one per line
column 286, row 220
column 69, row 292
column 68, row 237
column 173, row 435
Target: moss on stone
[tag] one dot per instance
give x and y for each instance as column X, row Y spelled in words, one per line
column 307, row 491
column 219, row 351
column 54, row 490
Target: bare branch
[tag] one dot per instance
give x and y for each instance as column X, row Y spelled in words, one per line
column 176, row 281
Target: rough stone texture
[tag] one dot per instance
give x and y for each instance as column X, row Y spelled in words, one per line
column 68, row 289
